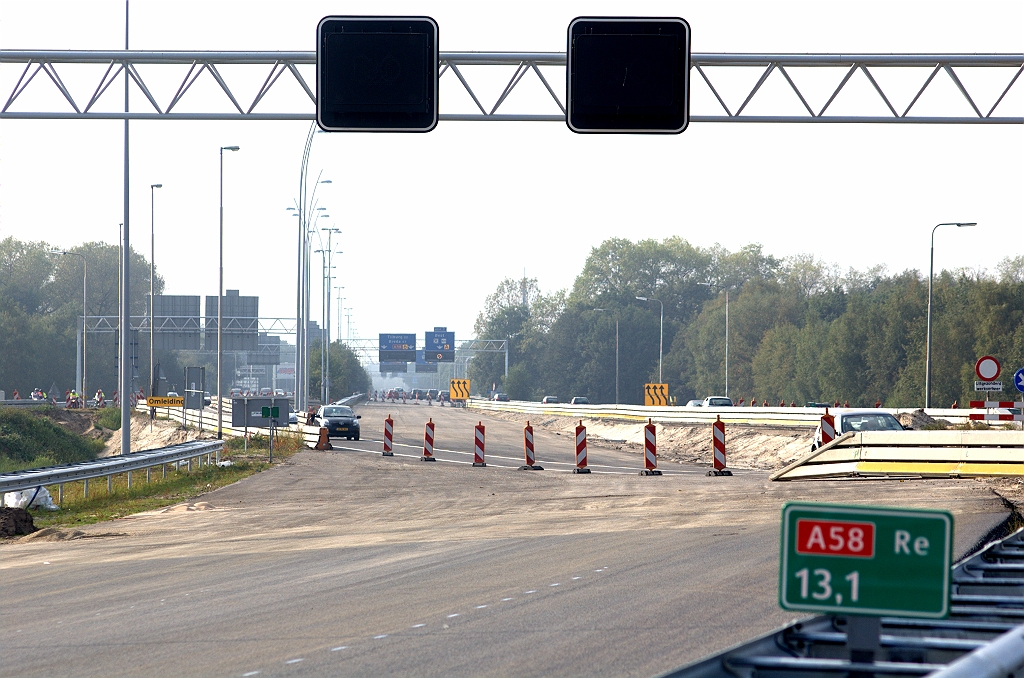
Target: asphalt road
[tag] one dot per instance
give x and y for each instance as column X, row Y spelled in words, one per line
column 346, row 563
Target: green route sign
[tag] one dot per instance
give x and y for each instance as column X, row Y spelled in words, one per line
column 865, row 560
column 269, row 412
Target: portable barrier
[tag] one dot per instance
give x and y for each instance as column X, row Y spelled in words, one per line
column 828, row 428
column 718, row 442
column 650, row 450
column 389, row 432
column 531, row 459
column 581, row 449
column 428, row 441
column 478, row 445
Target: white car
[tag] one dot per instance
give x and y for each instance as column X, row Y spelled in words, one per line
column 860, row 420
column 717, row 401
column 695, row 403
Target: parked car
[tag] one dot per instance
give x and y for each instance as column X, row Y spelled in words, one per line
column 500, row 397
column 717, row 401
column 279, row 392
column 293, row 416
column 860, row 420
column 339, row 420
column 579, row 400
column 817, row 405
column 236, row 393
column 420, row 393
column 549, row 400
column 206, row 399
column 695, row 403
column 266, row 392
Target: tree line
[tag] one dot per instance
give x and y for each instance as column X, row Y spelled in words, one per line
column 40, row 304
column 800, row 330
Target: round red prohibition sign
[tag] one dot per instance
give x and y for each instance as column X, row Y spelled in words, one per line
column 987, row 368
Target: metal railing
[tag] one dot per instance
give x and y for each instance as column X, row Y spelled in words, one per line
column 982, row 638
column 108, row 466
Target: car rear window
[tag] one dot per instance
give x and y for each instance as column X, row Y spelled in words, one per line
column 338, row 412
column 871, row 422
column 719, row 402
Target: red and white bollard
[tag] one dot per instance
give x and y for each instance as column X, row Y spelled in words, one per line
column 428, row 442
column 389, row 434
column 718, row 441
column 478, row 445
column 650, row 451
column 828, row 428
column 581, row 449
column 531, row 459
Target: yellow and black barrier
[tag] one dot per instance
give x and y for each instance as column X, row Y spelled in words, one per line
column 927, row 454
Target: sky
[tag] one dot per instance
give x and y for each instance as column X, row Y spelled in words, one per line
column 431, row 223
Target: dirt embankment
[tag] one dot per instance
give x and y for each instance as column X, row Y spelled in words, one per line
column 759, row 447
column 145, row 436
column 82, row 422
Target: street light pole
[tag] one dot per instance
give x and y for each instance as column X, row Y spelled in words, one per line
column 152, row 275
column 661, row 336
column 928, row 340
column 220, row 304
column 604, row 310
column 85, row 315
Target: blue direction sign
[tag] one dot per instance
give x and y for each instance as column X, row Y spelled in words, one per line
column 1018, row 379
column 397, row 348
column 440, row 345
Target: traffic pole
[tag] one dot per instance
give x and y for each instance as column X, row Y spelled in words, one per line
column 718, row 442
column 478, row 444
column 531, row 459
column 650, row 450
column 428, row 441
column 389, row 433
column 828, row 428
column 581, row 449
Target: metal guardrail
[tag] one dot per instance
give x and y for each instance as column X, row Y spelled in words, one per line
column 107, row 466
column 763, row 416
column 982, row 638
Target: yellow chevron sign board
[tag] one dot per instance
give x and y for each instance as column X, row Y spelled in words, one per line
column 937, row 454
column 458, row 389
column 163, row 401
column 655, row 395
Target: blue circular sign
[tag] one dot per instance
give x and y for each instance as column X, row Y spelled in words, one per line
column 1018, row 379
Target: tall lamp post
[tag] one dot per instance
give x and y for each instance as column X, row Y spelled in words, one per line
column 85, row 316
column 152, row 275
column 220, row 303
column 928, row 341
column 605, row 310
column 661, row 336
column 726, row 335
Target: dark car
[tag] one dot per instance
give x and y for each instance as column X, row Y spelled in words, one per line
column 418, row 394
column 579, row 400
column 500, row 397
column 339, row 420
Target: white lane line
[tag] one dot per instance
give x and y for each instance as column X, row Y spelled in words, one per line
column 530, row 591
column 554, row 584
column 294, row 661
column 575, row 578
column 418, row 626
column 480, row 607
column 505, row 600
column 251, row 673
column 451, row 616
column 340, row 647
column 383, row 635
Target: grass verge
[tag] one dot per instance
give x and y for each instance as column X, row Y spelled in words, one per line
column 179, row 485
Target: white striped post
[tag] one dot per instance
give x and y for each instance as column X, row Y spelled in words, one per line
column 428, row 441
column 718, row 443
column 650, row 450
column 828, row 428
column 581, row 449
column 531, row 459
column 478, row 445
column 389, row 432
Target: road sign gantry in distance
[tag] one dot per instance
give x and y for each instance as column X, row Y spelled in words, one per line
column 377, row 74
column 870, row 561
column 628, row 75
column 396, row 348
column 439, row 345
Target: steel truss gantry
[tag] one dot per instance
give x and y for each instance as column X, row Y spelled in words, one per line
column 243, row 101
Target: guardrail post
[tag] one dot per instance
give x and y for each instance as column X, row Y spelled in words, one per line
column 85, row 490
column 148, row 469
column 110, row 484
column 129, row 480
column 164, row 469
column 60, row 493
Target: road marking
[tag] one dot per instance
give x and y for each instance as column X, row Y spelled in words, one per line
column 554, row 584
column 251, row 673
column 294, row 661
column 529, row 591
column 575, row 578
column 453, row 615
column 418, row 626
column 480, row 607
column 504, row 600
column 383, row 635
column 340, row 647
